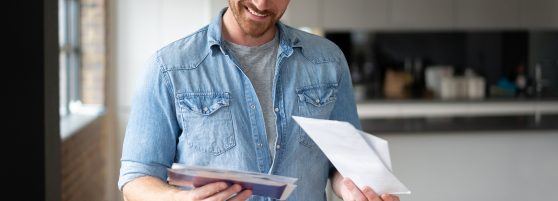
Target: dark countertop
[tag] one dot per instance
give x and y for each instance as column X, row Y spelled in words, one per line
column 460, row 124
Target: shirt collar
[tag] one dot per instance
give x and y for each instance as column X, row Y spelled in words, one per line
column 287, row 40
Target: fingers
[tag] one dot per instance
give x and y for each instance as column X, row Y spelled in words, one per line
column 388, row 197
column 353, row 193
column 223, row 195
column 366, row 194
column 244, row 195
column 373, row 196
column 370, row 194
column 208, row 190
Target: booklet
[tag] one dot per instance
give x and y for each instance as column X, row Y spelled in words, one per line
column 273, row 186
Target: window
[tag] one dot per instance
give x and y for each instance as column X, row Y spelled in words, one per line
column 69, row 54
column 82, row 59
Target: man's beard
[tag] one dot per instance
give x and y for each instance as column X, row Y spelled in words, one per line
column 251, row 27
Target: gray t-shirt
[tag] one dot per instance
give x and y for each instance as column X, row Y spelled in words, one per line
column 258, row 63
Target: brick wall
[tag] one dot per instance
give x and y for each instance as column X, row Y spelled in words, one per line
column 93, row 47
column 84, row 165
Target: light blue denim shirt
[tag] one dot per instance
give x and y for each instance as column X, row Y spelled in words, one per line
column 196, row 106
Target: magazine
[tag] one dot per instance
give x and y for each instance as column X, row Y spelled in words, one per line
column 273, row 186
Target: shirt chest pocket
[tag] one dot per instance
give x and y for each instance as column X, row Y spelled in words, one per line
column 316, row 101
column 207, row 121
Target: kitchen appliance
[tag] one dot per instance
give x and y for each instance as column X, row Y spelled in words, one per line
column 469, row 86
column 434, row 76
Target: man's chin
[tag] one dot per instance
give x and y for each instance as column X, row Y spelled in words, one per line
column 256, row 31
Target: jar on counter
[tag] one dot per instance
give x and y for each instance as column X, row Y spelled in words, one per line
column 475, row 85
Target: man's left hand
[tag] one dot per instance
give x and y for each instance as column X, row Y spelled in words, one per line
column 350, row 192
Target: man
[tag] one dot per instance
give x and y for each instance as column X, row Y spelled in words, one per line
column 224, row 97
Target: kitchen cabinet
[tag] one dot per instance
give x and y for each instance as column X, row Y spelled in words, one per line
column 355, row 14
column 343, row 15
column 421, row 14
column 338, row 15
column 539, row 14
column 487, row 14
column 304, row 13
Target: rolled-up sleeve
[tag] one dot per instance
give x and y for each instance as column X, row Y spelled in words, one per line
column 152, row 131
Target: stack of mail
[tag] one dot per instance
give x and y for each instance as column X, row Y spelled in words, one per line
column 273, row 186
column 358, row 155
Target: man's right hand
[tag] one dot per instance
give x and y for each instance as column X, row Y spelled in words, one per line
column 152, row 188
column 215, row 191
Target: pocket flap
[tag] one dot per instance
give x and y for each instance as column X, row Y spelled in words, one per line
column 204, row 103
column 317, row 95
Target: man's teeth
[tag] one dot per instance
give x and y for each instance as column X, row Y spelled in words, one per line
column 255, row 13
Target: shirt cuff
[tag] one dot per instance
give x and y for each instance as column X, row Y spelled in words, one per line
column 131, row 170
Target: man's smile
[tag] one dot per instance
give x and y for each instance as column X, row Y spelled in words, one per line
column 253, row 12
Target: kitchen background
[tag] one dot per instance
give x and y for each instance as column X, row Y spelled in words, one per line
column 450, row 65
column 465, row 91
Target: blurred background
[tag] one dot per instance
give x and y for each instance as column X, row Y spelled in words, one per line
column 465, row 91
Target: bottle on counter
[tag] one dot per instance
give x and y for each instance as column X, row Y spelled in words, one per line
column 540, row 84
column 359, row 77
column 521, row 81
column 359, row 89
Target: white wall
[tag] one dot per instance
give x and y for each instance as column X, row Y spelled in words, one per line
column 143, row 26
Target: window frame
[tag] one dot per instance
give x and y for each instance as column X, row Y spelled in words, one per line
column 70, row 55
column 73, row 114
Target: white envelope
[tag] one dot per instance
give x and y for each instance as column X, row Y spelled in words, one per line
column 356, row 154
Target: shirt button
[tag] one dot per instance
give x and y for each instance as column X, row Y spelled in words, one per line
column 253, row 106
column 317, row 100
column 205, row 109
column 278, row 147
column 276, row 109
column 259, row 145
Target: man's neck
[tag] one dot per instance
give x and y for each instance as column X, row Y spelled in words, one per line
column 232, row 32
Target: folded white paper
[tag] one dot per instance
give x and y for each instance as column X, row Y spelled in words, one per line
column 356, row 154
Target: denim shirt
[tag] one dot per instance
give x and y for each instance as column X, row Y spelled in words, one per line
column 196, row 106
